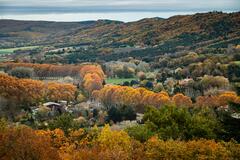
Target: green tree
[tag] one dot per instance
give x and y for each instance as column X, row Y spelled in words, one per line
column 233, row 72
column 118, row 114
column 64, row 122
column 230, row 121
column 179, row 123
column 139, row 132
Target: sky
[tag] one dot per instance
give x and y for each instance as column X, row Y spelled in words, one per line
column 124, row 10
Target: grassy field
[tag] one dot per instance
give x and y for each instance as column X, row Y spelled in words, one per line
column 11, row 50
column 237, row 62
column 118, row 80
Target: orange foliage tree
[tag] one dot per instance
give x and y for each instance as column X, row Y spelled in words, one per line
column 46, row 70
column 91, row 69
column 27, row 91
column 58, row 91
column 92, row 82
column 219, row 100
column 21, row 90
column 181, row 100
column 128, row 96
column 93, row 77
column 227, row 97
column 23, row 143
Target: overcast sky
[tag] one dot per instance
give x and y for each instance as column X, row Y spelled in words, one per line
column 125, row 10
column 137, row 4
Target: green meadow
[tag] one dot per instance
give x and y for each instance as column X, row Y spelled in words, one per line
column 118, row 80
column 11, row 50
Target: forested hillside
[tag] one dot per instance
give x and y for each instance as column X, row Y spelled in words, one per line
column 202, row 29
column 155, row 89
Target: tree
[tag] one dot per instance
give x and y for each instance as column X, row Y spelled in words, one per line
column 91, row 82
column 228, row 97
column 58, row 91
column 219, row 82
column 114, row 114
column 21, row 91
column 22, row 72
column 91, row 69
column 141, row 76
column 46, row 70
column 233, row 72
column 112, row 95
column 64, row 122
column 181, row 100
column 158, row 87
column 230, row 122
column 139, row 132
column 114, row 143
column 23, row 143
column 207, row 101
column 118, row 114
column 195, row 149
column 178, row 123
column 149, row 85
column 124, row 71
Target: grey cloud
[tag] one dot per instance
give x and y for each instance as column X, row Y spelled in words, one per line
column 134, row 4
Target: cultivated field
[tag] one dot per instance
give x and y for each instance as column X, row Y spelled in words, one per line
column 11, row 50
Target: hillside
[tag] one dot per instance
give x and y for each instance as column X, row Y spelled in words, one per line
column 188, row 32
column 146, row 90
column 18, row 33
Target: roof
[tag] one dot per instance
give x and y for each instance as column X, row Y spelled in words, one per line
column 51, row 103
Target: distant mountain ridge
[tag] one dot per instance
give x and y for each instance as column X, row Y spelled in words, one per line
column 190, row 31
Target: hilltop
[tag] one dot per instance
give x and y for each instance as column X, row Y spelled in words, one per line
column 152, row 36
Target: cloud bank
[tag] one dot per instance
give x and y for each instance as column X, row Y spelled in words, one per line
column 128, row 4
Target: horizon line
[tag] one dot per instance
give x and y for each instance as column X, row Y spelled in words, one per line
column 48, row 19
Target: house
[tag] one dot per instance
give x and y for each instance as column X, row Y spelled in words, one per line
column 185, row 81
column 55, row 107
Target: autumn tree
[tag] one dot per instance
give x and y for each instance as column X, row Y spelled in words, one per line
column 58, row 91
column 218, row 82
column 228, row 97
column 22, row 72
column 45, row 70
column 23, row 143
column 93, row 77
column 114, row 144
column 181, row 100
column 26, row 91
column 112, row 95
column 92, row 82
column 200, row 149
column 219, row 100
